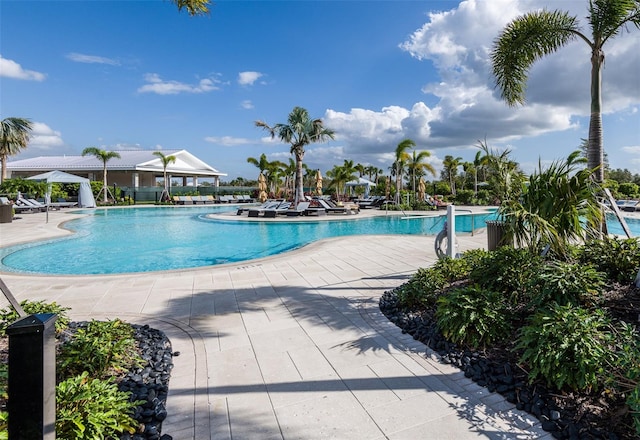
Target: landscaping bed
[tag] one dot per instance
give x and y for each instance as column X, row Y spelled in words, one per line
column 145, row 380
column 598, row 411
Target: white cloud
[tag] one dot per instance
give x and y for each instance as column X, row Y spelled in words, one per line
column 228, row 141
column 11, row 69
column 247, row 104
column 92, row 59
column 635, row 149
column 248, row 78
column 43, row 138
column 155, row 84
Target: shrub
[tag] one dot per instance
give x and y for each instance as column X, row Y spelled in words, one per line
column 422, row 289
column 567, row 346
column 93, row 409
column 464, row 196
column 101, row 348
column 8, row 315
column 473, row 316
column 625, row 372
column 566, row 284
column 618, row 258
column 452, row 269
column 506, row 270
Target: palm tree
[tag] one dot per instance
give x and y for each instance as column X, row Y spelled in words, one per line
column 536, row 34
column 299, row 131
column 417, row 167
column 478, row 163
column 340, row 175
column 104, row 156
column 451, row 165
column 262, row 163
column 166, row 160
column 193, row 7
column 401, row 159
column 14, row 136
column 362, row 169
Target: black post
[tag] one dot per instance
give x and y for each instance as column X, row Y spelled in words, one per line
column 32, row 378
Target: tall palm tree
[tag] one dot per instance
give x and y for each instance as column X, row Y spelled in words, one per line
column 417, row 167
column 193, row 7
column 14, row 136
column 104, row 156
column 300, row 130
column 401, row 159
column 536, row 34
column 451, row 165
column 362, row 169
column 478, row 163
column 166, row 160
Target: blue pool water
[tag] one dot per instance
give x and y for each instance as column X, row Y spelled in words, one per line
column 109, row 241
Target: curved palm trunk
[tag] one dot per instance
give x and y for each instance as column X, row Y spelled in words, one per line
column 299, row 195
column 595, row 150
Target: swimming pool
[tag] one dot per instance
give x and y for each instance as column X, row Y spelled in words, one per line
column 125, row 240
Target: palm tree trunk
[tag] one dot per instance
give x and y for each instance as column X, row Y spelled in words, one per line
column 299, row 188
column 595, row 150
column 104, row 183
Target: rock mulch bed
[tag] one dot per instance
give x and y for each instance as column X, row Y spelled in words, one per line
column 565, row 416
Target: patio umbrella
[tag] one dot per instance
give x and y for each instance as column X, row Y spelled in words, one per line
column 262, row 188
column 421, row 190
column 319, row 183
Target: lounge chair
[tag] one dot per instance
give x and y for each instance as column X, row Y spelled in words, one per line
column 282, row 208
column 630, row 205
column 242, row 210
column 255, row 212
column 332, row 208
column 301, row 209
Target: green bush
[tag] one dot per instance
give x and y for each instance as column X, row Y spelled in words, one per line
column 101, row 348
column 506, row 270
column 8, row 315
column 452, row 269
column 473, row 316
column 93, row 409
column 422, row 289
column 625, row 372
column 567, row 346
column 4, row 425
column 618, row 258
column 566, row 284
column 464, row 196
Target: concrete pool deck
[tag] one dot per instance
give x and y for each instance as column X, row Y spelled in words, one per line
column 292, row 346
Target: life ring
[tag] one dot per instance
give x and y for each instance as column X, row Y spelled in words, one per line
column 441, row 244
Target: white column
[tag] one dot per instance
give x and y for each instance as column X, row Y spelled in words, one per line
column 451, row 231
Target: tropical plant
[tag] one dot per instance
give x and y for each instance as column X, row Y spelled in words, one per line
column 450, row 170
column 193, row 7
column 299, row 131
column 104, row 156
column 566, row 284
column 8, row 315
column 401, row 159
column 340, row 175
column 417, row 167
column 556, row 207
column 93, row 409
column 503, row 175
column 422, row 289
column 536, row 34
column 567, row 346
column 618, row 258
column 166, row 160
column 14, row 136
column 473, row 316
column 103, row 348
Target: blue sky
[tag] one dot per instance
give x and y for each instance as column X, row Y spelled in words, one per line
column 124, row 75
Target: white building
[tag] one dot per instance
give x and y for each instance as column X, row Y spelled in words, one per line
column 134, row 169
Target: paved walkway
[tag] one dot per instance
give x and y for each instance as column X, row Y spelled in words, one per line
column 289, row 347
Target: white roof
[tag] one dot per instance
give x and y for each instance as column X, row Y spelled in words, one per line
column 134, row 160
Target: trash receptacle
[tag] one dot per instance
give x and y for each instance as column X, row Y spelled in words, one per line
column 6, row 213
column 495, row 234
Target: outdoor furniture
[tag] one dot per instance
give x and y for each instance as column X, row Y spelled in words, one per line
column 301, row 209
